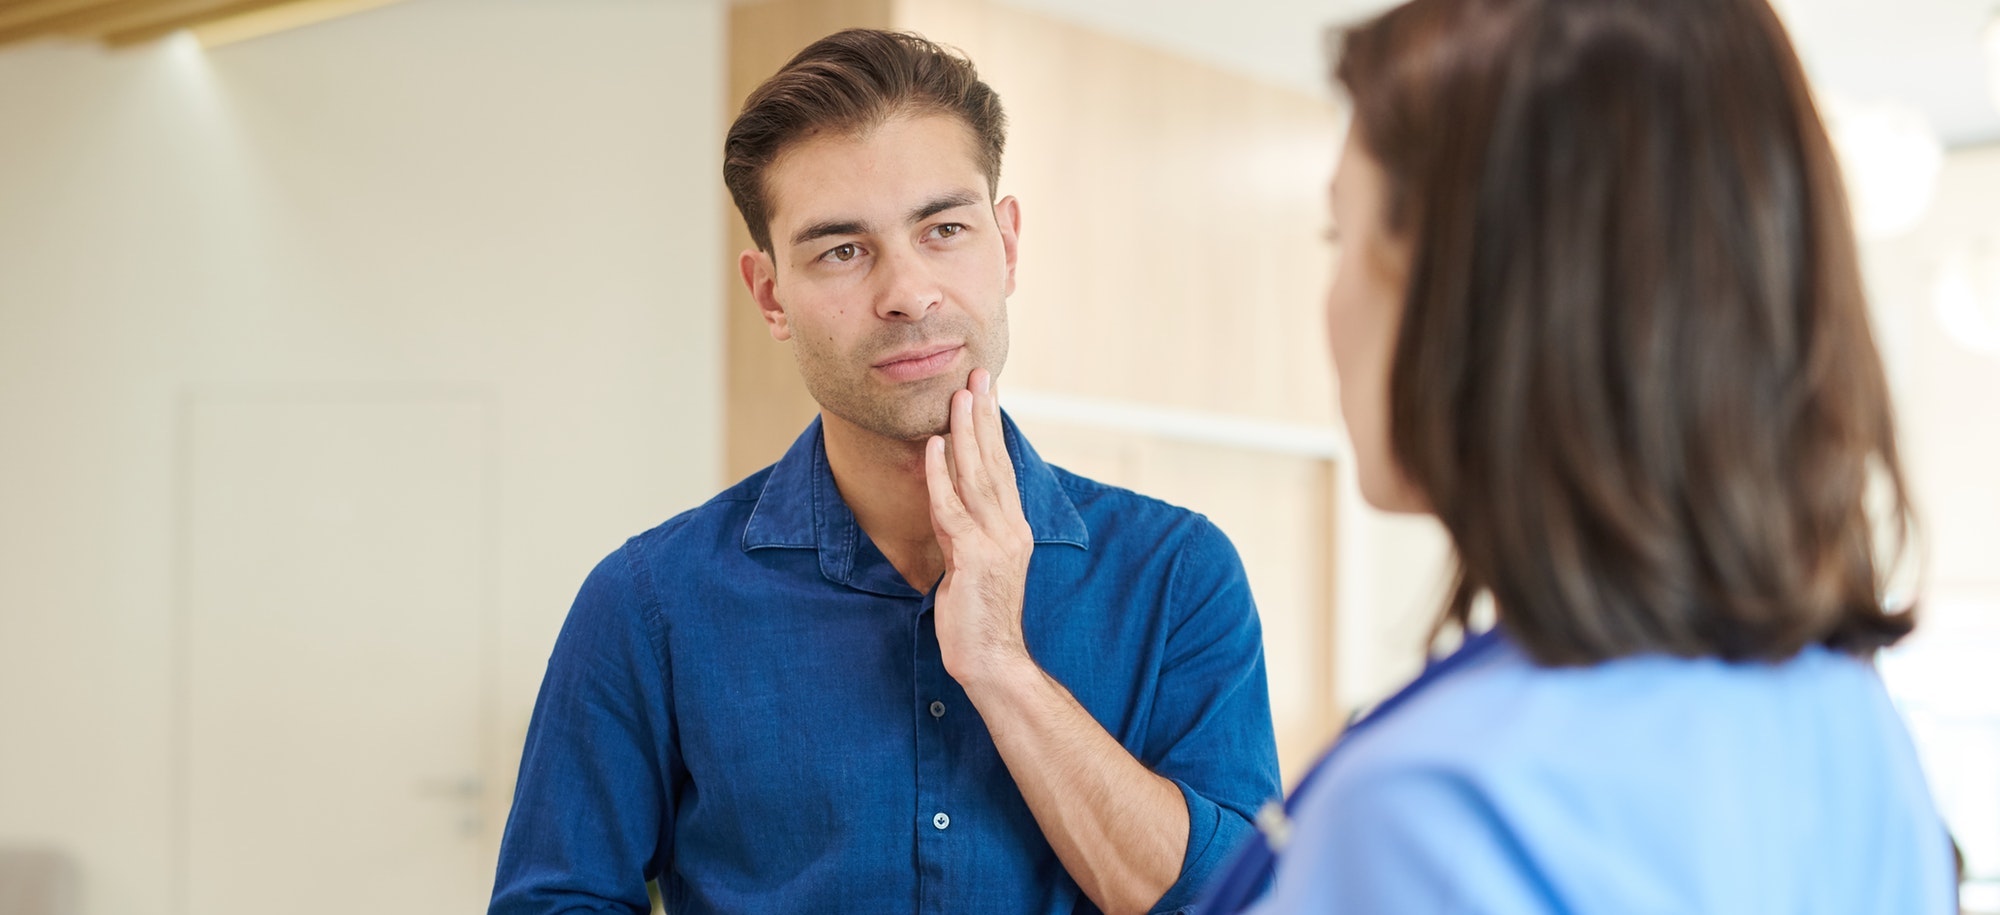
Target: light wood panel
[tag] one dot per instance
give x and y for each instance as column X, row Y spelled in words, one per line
column 121, row 23
column 22, row 12
column 270, row 19
column 1171, row 251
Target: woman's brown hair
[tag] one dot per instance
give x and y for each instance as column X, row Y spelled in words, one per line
column 1634, row 376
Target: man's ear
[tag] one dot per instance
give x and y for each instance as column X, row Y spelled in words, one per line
column 760, row 275
column 1008, row 214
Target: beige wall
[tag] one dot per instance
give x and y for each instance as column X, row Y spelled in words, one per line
column 513, row 202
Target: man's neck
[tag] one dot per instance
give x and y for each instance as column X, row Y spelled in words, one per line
column 882, row 482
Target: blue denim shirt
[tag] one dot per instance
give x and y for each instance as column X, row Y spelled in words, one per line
column 748, row 704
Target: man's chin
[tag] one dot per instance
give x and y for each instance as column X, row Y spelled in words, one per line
column 910, row 427
column 921, row 418
column 922, row 432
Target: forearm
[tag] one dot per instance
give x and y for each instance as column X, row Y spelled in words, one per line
column 1120, row 830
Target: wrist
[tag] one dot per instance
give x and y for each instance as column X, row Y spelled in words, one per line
column 1000, row 674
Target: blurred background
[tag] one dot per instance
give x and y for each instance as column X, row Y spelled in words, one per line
column 340, row 338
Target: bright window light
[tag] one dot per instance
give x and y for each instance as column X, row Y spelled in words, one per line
column 1966, row 296
column 1944, row 682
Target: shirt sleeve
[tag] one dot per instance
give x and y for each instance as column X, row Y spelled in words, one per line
column 594, row 798
column 1211, row 723
column 1411, row 839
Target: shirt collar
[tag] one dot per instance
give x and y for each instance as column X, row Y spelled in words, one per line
column 800, row 508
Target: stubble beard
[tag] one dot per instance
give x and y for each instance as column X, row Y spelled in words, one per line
column 845, row 386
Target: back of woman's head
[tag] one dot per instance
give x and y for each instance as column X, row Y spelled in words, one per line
column 1634, row 376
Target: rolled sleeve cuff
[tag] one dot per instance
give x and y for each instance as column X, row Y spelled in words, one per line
column 1213, row 834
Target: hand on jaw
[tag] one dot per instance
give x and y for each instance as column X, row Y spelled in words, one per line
column 977, row 517
column 1120, row 830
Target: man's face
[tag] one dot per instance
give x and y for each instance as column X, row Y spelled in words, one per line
column 889, row 271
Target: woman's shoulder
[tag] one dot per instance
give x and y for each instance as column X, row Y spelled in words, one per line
column 1699, row 784
column 1503, row 710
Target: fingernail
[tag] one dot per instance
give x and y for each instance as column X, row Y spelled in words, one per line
column 985, row 382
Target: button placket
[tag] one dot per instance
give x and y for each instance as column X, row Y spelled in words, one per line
column 933, row 768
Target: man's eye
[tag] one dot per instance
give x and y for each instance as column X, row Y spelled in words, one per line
column 843, row 253
column 949, row 229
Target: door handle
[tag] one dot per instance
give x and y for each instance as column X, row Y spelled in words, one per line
column 467, row 790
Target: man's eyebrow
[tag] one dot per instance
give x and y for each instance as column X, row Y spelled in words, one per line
column 829, row 227
column 948, row 201
column 943, row 202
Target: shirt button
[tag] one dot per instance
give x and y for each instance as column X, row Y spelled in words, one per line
column 937, row 710
column 941, row 821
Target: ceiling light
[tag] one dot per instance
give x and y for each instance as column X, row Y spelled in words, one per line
column 1890, row 155
column 1990, row 40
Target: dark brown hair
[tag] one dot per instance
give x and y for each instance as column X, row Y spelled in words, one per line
column 1634, row 376
column 848, row 82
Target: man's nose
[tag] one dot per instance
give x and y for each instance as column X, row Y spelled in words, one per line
column 909, row 291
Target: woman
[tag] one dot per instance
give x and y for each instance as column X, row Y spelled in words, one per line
column 1598, row 310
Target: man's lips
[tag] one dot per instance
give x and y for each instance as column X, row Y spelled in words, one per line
column 911, row 365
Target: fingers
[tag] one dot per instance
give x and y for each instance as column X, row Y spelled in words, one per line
column 948, row 514
column 950, row 462
column 982, row 468
column 976, row 489
column 992, row 435
column 978, row 465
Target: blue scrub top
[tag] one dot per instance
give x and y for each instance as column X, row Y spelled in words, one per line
column 1641, row 785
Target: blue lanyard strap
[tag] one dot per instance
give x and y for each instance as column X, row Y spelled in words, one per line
column 1250, row 872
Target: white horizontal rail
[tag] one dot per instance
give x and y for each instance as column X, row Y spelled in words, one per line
column 1300, row 439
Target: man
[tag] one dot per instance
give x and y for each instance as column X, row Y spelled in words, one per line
column 910, row 667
